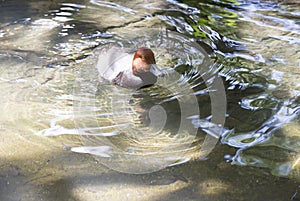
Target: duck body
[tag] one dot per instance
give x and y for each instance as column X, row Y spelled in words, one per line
column 128, row 68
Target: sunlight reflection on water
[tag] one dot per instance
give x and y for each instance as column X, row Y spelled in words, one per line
column 254, row 46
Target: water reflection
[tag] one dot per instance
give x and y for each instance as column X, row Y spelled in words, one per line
column 271, row 103
column 253, row 45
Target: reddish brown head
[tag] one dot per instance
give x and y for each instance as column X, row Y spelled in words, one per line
column 142, row 60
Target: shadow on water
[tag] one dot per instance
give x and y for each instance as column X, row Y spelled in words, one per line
column 80, row 178
column 17, row 10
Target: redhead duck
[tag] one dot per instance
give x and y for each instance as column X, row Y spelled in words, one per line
column 128, row 69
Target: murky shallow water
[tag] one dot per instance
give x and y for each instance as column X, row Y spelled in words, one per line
column 49, row 87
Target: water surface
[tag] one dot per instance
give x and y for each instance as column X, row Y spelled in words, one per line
column 53, row 103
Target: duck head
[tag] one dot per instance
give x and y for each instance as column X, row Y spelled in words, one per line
column 143, row 66
column 142, row 61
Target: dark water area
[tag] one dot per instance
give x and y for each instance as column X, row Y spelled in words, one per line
column 223, row 124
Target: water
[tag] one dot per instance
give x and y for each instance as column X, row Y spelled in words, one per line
column 237, row 61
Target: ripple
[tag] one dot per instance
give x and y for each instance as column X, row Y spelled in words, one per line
column 262, row 135
column 145, row 130
column 73, row 107
column 262, row 101
column 25, row 103
column 113, row 5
